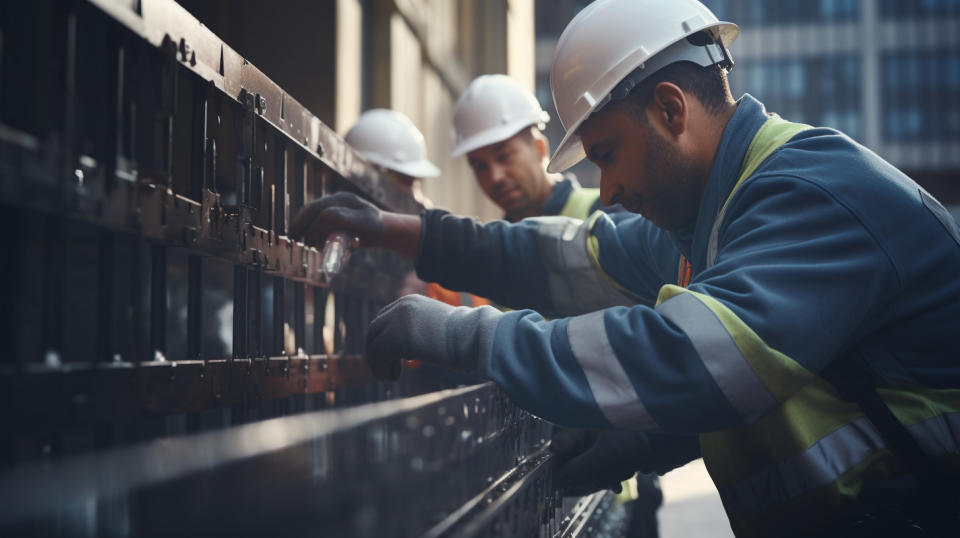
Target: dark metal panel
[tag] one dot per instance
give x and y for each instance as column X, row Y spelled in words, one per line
column 390, row 468
column 175, row 364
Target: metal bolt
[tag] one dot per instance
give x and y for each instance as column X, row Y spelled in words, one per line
column 51, row 359
column 186, row 51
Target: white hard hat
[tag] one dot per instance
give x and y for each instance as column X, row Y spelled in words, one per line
column 492, row 109
column 391, row 140
column 612, row 45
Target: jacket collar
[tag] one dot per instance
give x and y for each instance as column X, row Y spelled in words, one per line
column 737, row 135
column 559, row 194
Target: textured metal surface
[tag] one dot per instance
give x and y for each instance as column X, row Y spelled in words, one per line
column 146, row 198
column 390, row 468
column 172, row 362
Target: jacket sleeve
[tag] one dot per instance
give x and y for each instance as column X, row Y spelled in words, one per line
column 550, row 264
column 798, row 278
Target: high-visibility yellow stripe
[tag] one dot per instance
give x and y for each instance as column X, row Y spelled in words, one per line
column 579, row 202
column 807, row 416
column 807, row 488
column 781, row 374
column 593, row 249
column 720, row 355
column 772, row 134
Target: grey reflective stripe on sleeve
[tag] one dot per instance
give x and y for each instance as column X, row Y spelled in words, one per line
column 818, row 465
column 938, row 435
column 721, row 356
column 712, row 243
column 465, row 299
column 829, row 458
column 576, row 286
column 612, row 389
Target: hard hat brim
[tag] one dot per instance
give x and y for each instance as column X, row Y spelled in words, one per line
column 490, row 136
column 416, row 169
column 568, row 153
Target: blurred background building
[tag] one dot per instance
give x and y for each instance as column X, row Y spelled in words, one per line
column 341, row 57
column 886, row 72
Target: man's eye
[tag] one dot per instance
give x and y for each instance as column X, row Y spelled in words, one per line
column 503, row 157
column 602, row 156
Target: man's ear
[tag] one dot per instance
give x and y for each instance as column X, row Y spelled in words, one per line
column 669, row 108
column 541, row 142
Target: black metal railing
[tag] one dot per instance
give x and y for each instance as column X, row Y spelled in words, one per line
column 172, row 361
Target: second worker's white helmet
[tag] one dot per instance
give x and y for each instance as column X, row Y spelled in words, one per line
column 389, row 139
column 492, row 109
column 612, row 45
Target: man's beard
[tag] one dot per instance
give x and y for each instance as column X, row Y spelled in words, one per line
column 675, row 190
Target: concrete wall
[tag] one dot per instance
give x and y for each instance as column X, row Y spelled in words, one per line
column 421, row 54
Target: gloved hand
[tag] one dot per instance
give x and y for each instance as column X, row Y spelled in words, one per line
column 417, row 327
column 342, row 211
column 668, row 451
column 591, row 460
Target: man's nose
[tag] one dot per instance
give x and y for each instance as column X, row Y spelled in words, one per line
column 498, row 174
column 610, row 192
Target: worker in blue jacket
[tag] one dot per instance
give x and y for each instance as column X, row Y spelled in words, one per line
column 813, row 352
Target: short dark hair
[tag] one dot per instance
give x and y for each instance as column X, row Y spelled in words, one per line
column 708, row 84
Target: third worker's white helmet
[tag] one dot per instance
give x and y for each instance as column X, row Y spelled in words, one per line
column 492, row 109
column 391, row 140
column 612, row 45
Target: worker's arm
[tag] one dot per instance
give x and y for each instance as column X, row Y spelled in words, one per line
column 549, row 264
column 798, row 278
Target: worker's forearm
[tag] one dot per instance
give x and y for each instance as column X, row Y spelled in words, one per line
column 401, row 234
column 491, row 260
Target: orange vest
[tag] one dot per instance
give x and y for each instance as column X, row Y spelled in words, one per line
column 455, row 298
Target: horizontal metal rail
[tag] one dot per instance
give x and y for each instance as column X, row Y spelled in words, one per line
column 95, row 394
column 389, row 468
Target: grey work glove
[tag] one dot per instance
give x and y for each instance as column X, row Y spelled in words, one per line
column 591, row 460
column 419, row 328
column 343, row 211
